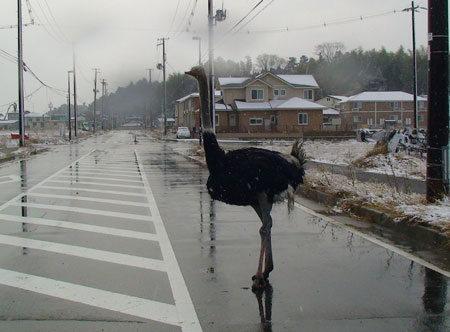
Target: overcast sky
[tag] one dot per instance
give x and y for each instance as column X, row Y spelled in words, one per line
column 120, row 37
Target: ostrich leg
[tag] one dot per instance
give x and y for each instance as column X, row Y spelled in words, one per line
column 265, row 256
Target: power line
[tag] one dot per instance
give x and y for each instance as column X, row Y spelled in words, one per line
column 175, row 15
column 248, row 22
column 246, row 15
column 324, row 24
column 56, row 23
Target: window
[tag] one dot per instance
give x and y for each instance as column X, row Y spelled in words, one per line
column 421, row 104
column 408, row 121
column 276, row 92
column 357, row 104
column 232, row 120
column 273, row 119
column 255, row 121
column 357, row 118
column 302, row 119
column 395, row 104
column 257, row 94
column 381, row 121
column 393, row 117
column 369, row 121
column 421, row 118
column 307, row 94
column 283, row 92
column 217, row 120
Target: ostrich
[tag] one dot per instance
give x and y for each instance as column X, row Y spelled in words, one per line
column 249, row 176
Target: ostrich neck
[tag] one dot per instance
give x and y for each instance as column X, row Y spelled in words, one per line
column 213, row 153
column 204, row 104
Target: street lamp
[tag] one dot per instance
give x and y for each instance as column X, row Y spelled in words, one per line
column 199, row 49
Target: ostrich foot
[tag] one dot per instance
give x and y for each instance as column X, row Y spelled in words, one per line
column 259, row 282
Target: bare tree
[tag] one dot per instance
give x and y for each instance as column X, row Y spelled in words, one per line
column 266, row 62
column 329, row 51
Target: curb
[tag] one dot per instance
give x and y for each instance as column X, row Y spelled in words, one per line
column 426, row 235
column 32, row 153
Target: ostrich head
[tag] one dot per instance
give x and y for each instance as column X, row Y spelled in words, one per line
column 198, row 72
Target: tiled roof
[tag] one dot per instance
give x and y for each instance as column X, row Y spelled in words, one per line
column 293, row 103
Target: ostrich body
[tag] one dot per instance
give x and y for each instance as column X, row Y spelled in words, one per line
column 249, row 176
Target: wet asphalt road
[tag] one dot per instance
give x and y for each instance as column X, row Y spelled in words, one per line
column 113, row 236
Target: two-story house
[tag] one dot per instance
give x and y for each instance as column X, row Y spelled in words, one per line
column 381, row 109
column 269, row 103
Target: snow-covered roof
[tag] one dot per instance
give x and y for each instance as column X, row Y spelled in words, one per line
column 341, row 98
column 330, row 111
column 196, row 94
column 35, row 115
column 294, row 80
column 389, row 96
column 223, row 107
column 300, row 80
column 232, row 80
column 293, row 103
column 8, row 121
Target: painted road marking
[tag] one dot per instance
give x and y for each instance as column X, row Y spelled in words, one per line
column 81, row 227
column 99, row 175
column 98, row 184
column 73, row 176
column 9, row 178
column 77, row 251
column 84, row 210
column 181, row 314
column 374, row 240
column 114, row 192
column 88, row 199
column 183, row 301
column 130, row 305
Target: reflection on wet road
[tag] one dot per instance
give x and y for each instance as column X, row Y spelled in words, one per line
column 121, row 240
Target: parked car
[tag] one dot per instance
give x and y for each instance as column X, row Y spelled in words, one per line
column 183, row 132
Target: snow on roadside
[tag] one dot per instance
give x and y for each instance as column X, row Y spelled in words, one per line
column 403, row 206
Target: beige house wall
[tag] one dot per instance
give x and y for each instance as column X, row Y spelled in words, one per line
column 288, row 119
column 259, row 86
column 229, row 95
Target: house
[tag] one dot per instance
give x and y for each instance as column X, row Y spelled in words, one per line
column 331, row 101
column 269, row 103
column 381, row 109
column 187, row 110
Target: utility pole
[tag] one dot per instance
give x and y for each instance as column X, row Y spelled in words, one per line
column 414, row 9
column 212, row 94
column 163, row 67
column 150, row 96
column 438, row 112
column 75, row 110
column 68, row 104
column 199, row 49
column 20, row 68
column 103, row 98
column 95, row 100
column 220, row 16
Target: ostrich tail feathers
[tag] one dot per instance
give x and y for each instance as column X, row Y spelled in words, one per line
column 298, row 151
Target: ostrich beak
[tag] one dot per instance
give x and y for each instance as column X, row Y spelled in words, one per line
column 189, row 72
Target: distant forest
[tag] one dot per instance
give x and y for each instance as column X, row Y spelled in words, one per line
column 338, row 72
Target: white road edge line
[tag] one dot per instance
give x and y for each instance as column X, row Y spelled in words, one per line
column 119, row 232
column 125, row 304
column 185, row 308
column 94, row 254
column 375, row 241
